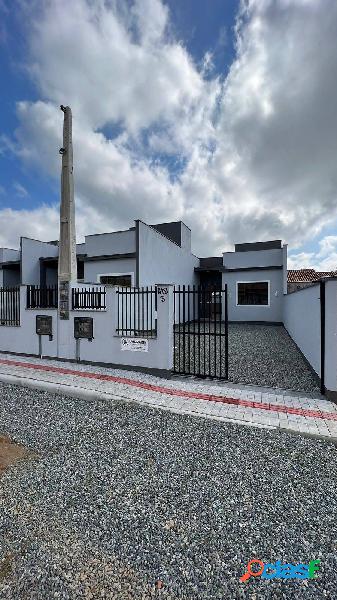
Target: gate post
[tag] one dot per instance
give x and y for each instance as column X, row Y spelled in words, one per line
column 165, row 318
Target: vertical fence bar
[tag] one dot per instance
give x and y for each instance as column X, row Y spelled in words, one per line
column 179, row 333
column 184, row 331
column 226, row 332
column 193, row 329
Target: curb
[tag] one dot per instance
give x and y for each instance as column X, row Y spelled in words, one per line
column 80, row 393
column 57, row 388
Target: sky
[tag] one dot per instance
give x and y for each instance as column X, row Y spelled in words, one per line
column 220, row 113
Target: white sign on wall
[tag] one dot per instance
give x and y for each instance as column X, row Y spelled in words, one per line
column 135, row 344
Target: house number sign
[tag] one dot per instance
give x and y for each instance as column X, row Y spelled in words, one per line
column 162, row 293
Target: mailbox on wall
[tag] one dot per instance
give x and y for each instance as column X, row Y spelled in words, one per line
column 83, row 328
column 44, row 325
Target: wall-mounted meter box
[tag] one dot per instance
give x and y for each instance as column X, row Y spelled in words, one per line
column 44, row 325
column 83, row 328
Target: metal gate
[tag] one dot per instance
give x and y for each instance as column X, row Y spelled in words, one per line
column 10, row 306
column 200, row 331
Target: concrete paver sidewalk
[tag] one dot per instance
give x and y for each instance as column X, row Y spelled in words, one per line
column 246, row 405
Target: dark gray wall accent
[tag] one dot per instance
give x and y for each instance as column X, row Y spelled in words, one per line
column 211, row 261
column 252, row 269
column 11, row 275
column 170, row 230
column 109, row 257
column 249, row 247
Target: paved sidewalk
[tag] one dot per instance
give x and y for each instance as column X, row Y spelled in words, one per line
column 313, row 415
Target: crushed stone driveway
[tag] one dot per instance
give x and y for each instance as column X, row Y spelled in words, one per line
column 119, row 500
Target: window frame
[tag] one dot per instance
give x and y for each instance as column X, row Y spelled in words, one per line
column 253, row 305
column 99, row 275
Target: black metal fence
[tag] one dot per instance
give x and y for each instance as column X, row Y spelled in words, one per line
column 10, row 306
column 200, row 331
column 137, row 312
column 88, row 299
column 42, row 297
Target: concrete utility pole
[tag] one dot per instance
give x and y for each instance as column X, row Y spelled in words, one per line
column 67, row 264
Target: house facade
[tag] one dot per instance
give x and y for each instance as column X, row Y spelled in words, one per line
column 256, row 278
column 143, row 255
column 139, row 256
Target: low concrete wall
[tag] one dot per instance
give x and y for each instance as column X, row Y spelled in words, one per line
column 331, row 338
column 106, row 345
column 23, row 339
column 301, row 318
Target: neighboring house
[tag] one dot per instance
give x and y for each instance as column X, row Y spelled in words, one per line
column 301, row 278
column 140, row 256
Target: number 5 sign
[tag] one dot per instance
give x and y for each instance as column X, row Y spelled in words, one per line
column 162, row 293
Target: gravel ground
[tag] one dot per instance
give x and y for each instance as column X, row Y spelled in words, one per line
column 263, row 355
column 120, row 497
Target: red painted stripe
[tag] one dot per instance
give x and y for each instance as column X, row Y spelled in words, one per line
column 317, row 414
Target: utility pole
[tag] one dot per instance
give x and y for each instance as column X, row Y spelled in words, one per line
column 67, row 263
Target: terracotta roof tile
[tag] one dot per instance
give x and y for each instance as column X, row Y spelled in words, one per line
column 307, row 275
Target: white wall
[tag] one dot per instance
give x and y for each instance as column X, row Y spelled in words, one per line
column 272, row 313
column 301, row 317
column 31, row 251
column 123, row 265
column 162, row 260
column 118, row 242
column 106, row 345
column 9, row 254
column 331, row 338
column 23, row 339
column 253, row 258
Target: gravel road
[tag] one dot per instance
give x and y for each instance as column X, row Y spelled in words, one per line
column 263, row 355
column 120, row 497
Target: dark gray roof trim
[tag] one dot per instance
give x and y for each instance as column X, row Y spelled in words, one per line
column 205, row 269
column 110, row 257
column 254, row 246
column 10, row 263
column 269, row 268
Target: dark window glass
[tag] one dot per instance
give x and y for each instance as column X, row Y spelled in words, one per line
column 253, row 293
column 80, row 269
column 120, row 280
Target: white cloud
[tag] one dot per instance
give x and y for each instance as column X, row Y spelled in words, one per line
column 325, row 259
column 256, row 151
column 40, row 223
column 20, row 190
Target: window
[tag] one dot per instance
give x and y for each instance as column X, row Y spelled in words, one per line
column 253, row 293
column 118, row 279
column 80, row 269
